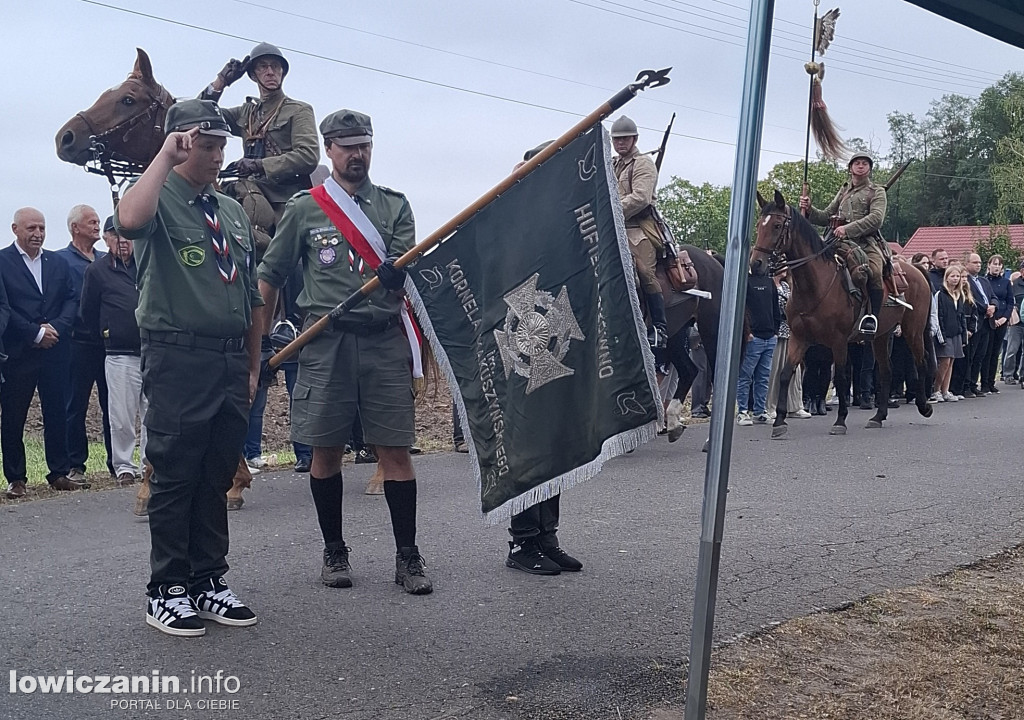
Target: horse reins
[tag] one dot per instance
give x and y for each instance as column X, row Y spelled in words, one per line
column 118, row 169
column 773, row 253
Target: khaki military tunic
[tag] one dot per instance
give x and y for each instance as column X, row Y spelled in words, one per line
column 180, row 287
column 862, row 210
column 331, row 267
column 359, row 367
column 638, row 177
column 291, row 130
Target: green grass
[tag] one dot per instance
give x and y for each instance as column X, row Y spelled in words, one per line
column 35, row 460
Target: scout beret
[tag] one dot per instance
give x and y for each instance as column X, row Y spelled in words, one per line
column 187, row 114
column 108, row 225
column 347, row 127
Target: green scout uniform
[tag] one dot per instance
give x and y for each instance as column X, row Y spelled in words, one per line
column 291, row 144
column 638, row 177
column 362, row 361
column 195, row 374
column 862, row 210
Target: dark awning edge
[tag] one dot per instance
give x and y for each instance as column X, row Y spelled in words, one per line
column 1001, row 19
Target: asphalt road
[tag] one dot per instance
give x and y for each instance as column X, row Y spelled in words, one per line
column 813, row 521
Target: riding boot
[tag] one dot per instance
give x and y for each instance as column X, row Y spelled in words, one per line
column 869, row 323
column 658, row 334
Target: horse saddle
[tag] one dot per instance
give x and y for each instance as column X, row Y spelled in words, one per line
column 257, row 208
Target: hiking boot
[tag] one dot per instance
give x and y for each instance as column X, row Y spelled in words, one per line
column 565, row 561
column 335, row 572
column 527, row 556
column 170, row 610
column 410, row 571
column 215, row 601
column 365, row 456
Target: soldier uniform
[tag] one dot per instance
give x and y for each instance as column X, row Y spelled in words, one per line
column 638, row 177
column 279, row 133
column 360, row 365
column 861, row 210
column 195, row 310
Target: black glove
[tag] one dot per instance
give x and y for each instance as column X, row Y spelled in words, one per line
column 391, row 277
column 246, row 167
column 268, row 375
column 233, row 70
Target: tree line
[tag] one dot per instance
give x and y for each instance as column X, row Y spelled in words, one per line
column 967, row 169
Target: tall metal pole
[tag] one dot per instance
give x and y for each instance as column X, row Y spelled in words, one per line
column 734, row 291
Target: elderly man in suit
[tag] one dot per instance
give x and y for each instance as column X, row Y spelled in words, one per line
column 37, row 341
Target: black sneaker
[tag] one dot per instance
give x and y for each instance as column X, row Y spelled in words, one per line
column 365, row 456
column 335, row 572
column 564, row 560
column 170, row 610
column 215, row 601
column 527, row 556
column 410, row 571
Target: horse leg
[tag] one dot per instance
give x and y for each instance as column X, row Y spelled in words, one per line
column 680, row 357
column 918, row 346
column 880, row 345
column 839, row 350
column 794, row 355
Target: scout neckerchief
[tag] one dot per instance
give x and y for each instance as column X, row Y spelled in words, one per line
column 362, row 236
column 221, row 251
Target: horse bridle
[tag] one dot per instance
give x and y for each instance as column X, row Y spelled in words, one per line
column 117, row 168
column 773, row 252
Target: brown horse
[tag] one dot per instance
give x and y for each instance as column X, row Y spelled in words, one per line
column 821, row 311
column 682, row 310
column 125, row 125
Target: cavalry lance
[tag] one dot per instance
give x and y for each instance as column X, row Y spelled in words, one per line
column 646, row 79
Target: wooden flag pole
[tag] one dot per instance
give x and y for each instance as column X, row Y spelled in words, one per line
column 646, row 79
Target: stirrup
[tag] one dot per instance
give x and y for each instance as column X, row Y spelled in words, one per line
column 657, row 337
column 868, row 325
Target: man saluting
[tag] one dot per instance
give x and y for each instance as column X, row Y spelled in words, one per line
column 200, row 316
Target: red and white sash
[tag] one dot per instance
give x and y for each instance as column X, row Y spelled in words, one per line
column 352, row 223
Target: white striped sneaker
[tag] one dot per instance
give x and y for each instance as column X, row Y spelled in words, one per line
column 215, row 601
column 170, row 610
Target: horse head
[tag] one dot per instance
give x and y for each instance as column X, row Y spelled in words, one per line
column 773, row 236
column 125, row 123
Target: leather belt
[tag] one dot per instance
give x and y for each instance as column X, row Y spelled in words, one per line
column 364, row 329
column 191, row 340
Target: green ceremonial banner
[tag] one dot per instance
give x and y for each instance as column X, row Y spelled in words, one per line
column 532, row 312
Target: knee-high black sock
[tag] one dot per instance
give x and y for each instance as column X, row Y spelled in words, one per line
column 327, row 499
column 401, row 497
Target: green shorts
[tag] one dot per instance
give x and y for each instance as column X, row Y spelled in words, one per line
column 342, row 374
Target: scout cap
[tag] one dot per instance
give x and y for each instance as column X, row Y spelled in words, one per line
column 262, row 50
column 187, row 114
column 108, row 225
column 347, row 127
column 861, row 156
column 624, row 127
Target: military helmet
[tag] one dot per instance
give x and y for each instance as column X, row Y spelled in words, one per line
column 187, row 114
column 262, row 50
column 861, row 156
column 624, row 127
column 530, row 154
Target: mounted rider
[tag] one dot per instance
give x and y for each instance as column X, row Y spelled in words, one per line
column 279, row 134
column 638, row 177
column 855, row 216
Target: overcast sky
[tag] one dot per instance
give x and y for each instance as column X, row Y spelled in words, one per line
column 459, row 89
